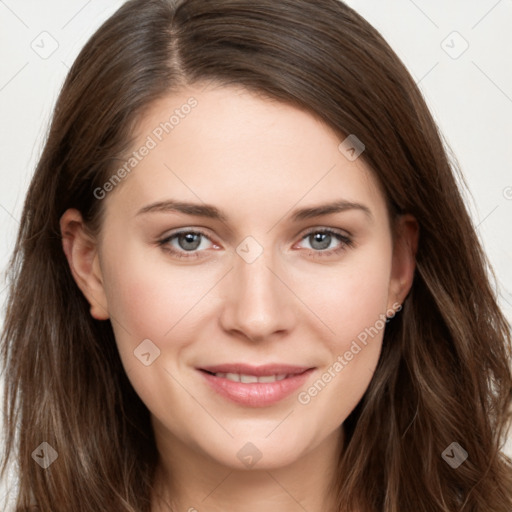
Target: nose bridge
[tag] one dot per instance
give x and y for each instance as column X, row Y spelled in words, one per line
column 257, row 303
column 257, row 281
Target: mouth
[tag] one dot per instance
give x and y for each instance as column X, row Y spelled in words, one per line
column 255, row 386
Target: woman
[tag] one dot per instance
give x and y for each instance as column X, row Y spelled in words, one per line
column 245, row 278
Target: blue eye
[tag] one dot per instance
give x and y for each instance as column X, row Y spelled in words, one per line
column 191, row 243
column 320, row 241
column 188, row 241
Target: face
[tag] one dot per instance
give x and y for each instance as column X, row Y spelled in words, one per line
column 247, row 267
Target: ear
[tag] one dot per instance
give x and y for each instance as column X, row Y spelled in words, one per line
column 404, row 259
column 82, row 255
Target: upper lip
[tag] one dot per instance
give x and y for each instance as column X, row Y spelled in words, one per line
column 258, row 371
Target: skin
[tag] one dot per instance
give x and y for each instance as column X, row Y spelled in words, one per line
column 257, row 161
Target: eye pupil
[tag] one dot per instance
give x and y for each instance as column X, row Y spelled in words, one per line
column 189, row 241
column 324, row 240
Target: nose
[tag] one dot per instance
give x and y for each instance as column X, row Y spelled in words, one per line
column 258, row 304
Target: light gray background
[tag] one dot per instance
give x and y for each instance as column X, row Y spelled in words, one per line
column 469, row 92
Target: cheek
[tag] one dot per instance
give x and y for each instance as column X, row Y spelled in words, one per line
column 151, row 300
column 352, row 301
column 351, row 296
column 147, row 294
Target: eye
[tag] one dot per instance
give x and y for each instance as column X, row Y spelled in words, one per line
column 321, row 242
column 190, row 243
column 185, row 243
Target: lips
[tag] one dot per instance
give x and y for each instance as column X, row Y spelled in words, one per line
column 258, row 371
column 255, row 386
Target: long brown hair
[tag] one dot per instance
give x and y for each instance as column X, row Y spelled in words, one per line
column 443, row 375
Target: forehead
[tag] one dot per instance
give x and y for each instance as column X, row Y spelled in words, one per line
column 227, row 145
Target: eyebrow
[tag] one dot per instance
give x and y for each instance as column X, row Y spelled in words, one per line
column 212, row 212
column 326, row 209
column 170, row 205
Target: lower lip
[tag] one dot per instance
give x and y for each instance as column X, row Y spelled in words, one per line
column 256, row 394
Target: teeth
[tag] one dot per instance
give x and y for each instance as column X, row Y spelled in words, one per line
column 249, row 379
column 267, row 378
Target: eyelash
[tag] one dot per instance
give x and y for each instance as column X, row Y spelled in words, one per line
column 346, row 242
column 181, row 254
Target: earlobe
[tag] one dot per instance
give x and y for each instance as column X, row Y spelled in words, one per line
column 404, row 258
column 81, row 252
